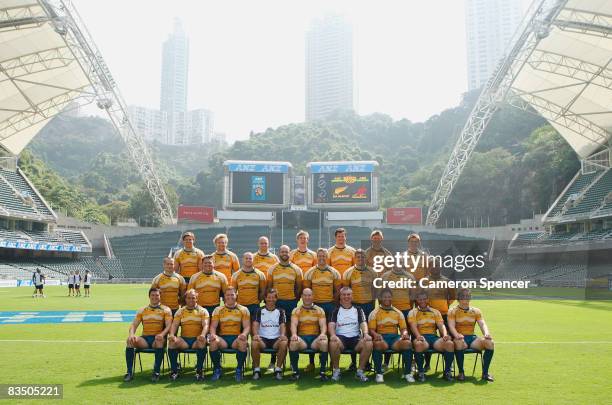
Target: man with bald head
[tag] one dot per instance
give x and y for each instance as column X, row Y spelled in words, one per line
column 264, row 259
column 286, row 278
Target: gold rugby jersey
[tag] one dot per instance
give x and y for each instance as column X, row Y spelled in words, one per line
column 308, row 319
column 230, row 319
column 153, row 319
column 210, row 287
column 304, row 260
column 188, row 261
column 190, row 320
column 465, row 319
column 341, row 258
column 402, row 297
column 323, row 282
column 264, row 262
column 386, row 320
column 171, row 286
column 226, row 263
column 249, row 285
column 426, row 320
column 361, row 282
column 285, row 278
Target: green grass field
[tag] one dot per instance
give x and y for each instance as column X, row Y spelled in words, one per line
column 547, row 352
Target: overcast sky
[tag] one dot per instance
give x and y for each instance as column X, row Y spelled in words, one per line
column 247, row 57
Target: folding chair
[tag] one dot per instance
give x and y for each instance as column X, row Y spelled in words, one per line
column 234, row 351
column 186, row 357
column 307, row 351
column 395, row 365
column 273, row 352
column 478, row 354
column 150, row 351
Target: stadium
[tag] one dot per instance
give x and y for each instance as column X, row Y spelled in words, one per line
column 544, row 285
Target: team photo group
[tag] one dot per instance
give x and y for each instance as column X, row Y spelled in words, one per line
column 319, row 303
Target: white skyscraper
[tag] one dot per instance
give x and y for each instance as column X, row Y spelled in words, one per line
column 329, row 67
column 490, row 25
column 175, row 69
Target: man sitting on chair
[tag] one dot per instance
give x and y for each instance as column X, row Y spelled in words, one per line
column 461, row 322
column 424, row 321
column 348, row 329
column 193, row 320
column 156, row 321
column 233, row 323
column 269, row 332
column 384, row 323
column 308, row 331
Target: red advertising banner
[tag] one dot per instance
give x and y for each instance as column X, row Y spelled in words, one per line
column 196, row 213
column 407, row 215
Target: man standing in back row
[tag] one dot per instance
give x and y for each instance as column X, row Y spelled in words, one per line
column 264, row 259
column 226, row 262
column 188, row 259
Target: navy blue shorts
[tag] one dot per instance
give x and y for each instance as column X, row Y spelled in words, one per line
column 287, row 305
column 349, row 343
column 252, row 310
column 327, row 307
column 150, row 339
column 190, row 341
column 368, row 307
column 269, row 343
column 469, row 339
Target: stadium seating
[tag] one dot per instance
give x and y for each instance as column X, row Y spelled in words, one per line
column 593, row 197
column 581, row 182
column 17, row 196
column 141, row 255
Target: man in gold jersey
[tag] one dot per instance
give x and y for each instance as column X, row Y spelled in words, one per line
column 229, row 327
column 250, row 284
column 461, row 322
column 301, row 256
column 171, row 285
column 209, row 284
column 193, row 321
column 156, row 321
column 417, row 266
column 286, row 278
column 340, row 256
column 325, row 283
column 188, row 259
column 360, row 278
column 226, row 261
column 384, row 323
column 264, row 259
column 424, row 321
column 438, row 298
column 308, row 331
column 377, row 249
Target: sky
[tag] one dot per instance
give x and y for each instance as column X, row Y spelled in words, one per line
column 247, row 60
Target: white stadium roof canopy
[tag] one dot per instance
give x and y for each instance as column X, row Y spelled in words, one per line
column 559, row 64
column 48, row 61
column 39, row 75
column 568, row 76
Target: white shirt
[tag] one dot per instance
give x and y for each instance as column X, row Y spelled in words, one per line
column 38, row 279
column 270, row 322
column 87, row 279
column 71, row 279
column 348, row 320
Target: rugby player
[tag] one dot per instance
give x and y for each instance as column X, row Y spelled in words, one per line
column 264, row 259
column 286, row 278
column 229, row 328
column 340, row 256
column 305, row 259
column 250, row 285
column 302, row 256
column 87, row 283
column 308, row 331
column 269, row 332
column 38, row 279
column 402, row 298
column 424, row 321
column 193, row 321
column 209, row 284
column 348, row 329
column 416, row 255
column 77, row 284
column 438, row 298
column 188, row 259
column 171, row 285
column 461, row 322
column 71, row 284
column 226, row 261
column 384, row 323
column 325, row 283
column 156, row 321
column 377, row 249
column 360, row 279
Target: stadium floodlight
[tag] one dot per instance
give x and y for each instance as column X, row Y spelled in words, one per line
column 55, row 64
column 559, row 64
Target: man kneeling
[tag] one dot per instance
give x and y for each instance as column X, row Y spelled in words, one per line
column 193, row 321
column 233, row 323
column 348, row 329
column 269, row 332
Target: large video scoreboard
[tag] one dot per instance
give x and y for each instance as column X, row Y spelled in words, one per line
column 343, row 185
column 257, row 185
